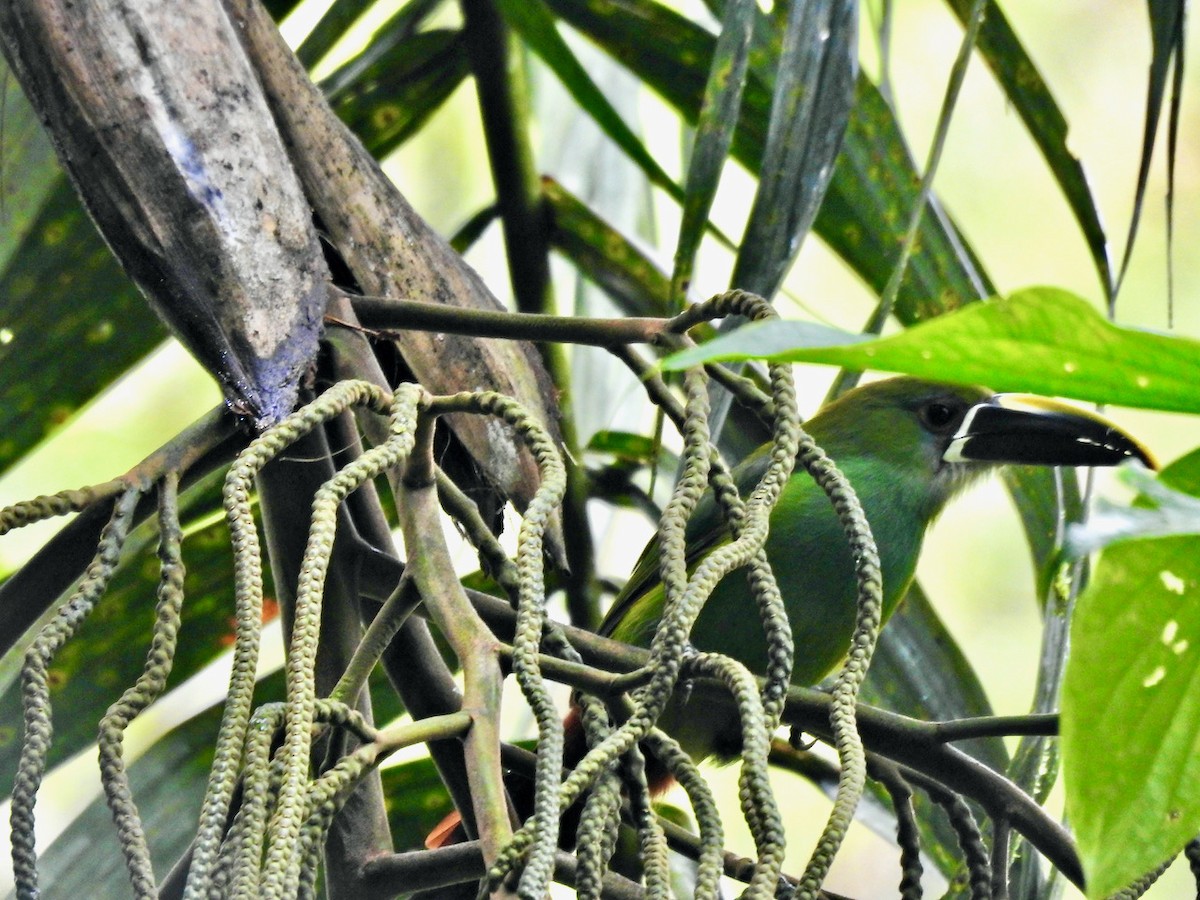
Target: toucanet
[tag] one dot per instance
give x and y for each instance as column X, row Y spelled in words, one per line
column 907, row 446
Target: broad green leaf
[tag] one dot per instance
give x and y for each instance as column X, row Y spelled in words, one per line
column 1045, row 340
column 1029, row 95
column 1131, row 713
column 813, row 95
column 1183, row 475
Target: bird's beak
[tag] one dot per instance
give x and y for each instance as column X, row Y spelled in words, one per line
column 1031, row 430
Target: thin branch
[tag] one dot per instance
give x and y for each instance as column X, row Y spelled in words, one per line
column 915, row 744
column 420, row 731
column 202, row 447
column 387, row 316
column 1001, row 832
column 1039, row 724
column 461, row 863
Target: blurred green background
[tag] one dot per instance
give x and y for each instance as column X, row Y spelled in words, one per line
column 1092, row 53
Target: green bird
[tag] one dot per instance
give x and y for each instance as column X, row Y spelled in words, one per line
column 908, row 447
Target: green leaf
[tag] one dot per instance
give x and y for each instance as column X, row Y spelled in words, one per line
column 72, row 323
column 168, row 783
column 1167, row 37
column 1045, row 340
column 874, row 184
column 1162, row 513
column 330, row 28
column 616, row 481
column 536, row 25
column 866, row 213
column 1029, row 95
column 1166, row 504
column 943, row 686
column 106, row 656
column 714, row 134
column 813, row 95
column 632, row 448
column 388, row 92
column 472, row 230
column 1183, row 474
column 604, row 255
column 30, row 171
column 341, row 16
column 1130, row 711
column 279, row 9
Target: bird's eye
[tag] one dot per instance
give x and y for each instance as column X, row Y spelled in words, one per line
column 938, row 416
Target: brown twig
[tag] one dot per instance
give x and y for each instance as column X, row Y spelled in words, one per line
column 386, row 316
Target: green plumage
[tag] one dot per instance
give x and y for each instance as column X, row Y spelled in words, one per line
column 886, row 442
column 882, row 439
column 907, row 446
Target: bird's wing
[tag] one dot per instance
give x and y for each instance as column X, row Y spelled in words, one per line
column 645, row 577
column 706, row 530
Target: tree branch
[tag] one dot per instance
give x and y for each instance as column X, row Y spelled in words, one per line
column 388, row 316
column 917, row 745
column 476, row 647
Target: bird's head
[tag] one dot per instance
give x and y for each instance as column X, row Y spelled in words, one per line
column 940, row 437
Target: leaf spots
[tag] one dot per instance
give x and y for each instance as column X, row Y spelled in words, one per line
column 101, row 332
column 55, row 231
column 1174, row 584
